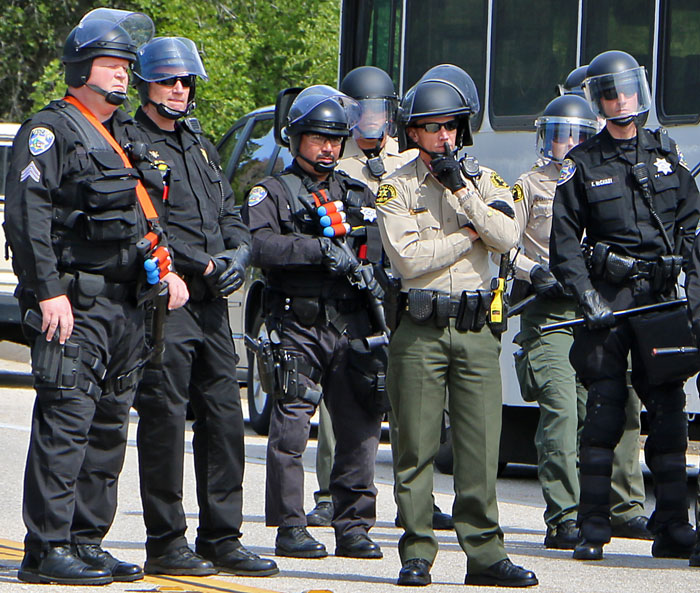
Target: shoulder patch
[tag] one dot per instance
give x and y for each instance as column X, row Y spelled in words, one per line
column 498, row 181
column 40, row 140
column 568, row 168
column 385, row 193
column 517, row 192
column 256, row 195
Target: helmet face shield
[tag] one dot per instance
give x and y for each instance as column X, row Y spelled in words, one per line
column 557, row 135
column 619, row 95
column 321, row 108
column 138, row 26
column 166, row 57
column 377, row 119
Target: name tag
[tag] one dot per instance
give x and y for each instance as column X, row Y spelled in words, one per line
column 600, row 182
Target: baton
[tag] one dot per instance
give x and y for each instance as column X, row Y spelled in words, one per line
column 518, row 309
column 674, row 350
column 623, row 313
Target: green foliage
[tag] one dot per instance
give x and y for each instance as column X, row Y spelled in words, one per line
column 251, row 49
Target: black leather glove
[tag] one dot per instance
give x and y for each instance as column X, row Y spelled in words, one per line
column 596, row 311
column 335, row 259
column 448, row 171
column 544, row 283
column 229, row 270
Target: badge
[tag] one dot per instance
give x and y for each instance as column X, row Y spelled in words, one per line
column 40, row 140
column 256, row 195
column 385, row 193
column 517, row 192
column 368, row 214
column 30, row 171
column 498, row 181
column 568, row 168
column 154, row 154
column 663, row 166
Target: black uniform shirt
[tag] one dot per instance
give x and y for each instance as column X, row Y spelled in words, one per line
column 201, row 219
column 286, row 239
column 48, row 154
column 598, row 194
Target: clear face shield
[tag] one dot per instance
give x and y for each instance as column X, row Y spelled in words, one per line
column 558, row 135
column 619, row 96
column 315, row 95
column 377, row 119
column 138, row 25
column 168, row 57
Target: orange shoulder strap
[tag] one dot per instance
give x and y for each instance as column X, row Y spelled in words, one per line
column 144, row 199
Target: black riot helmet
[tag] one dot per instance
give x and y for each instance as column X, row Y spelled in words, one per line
column 162, row 60
column 567, row 120
column 375, row 92
column 573, row 82
column 320, row 109
column 443, row 90
column 104, row 32
column 616, row 76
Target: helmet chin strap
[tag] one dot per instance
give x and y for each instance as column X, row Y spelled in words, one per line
column 170, row 113
column 623, row 122
column 112, row 97
column 319, row 167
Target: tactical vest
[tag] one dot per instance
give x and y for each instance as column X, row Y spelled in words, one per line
column 96, row 219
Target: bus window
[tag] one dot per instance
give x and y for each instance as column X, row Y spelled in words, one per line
column 678, row 95
column 531, row 52
column 626, row 25
column 450, row 31
column 371, row 36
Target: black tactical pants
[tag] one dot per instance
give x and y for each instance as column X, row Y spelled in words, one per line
column 600, row 358
column 356, row 430
column 78, row 441
column 199, row 365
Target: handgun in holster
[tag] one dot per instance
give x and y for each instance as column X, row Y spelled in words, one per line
column 53, row 364
column 269, row 367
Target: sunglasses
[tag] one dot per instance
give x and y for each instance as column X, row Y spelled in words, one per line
column 433, row 126
column 320, row 139
column 186, row 81
column 611, row 93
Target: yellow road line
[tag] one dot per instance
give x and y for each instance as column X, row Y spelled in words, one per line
column 10, row 550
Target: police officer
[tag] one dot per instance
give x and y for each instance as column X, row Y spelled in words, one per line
column 212, row 248
column 439, row 219
column 314, row 312
column 372, row 153
column 543, row 366
column 628, row 189
column 75, row 210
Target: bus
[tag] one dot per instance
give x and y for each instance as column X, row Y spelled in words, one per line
column 518, row 53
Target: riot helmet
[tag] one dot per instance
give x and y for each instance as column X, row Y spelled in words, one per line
column 572, row 84
column 375, row 92
column 443, row 90
column 320, row 109
column 164, row 60
column 616, row 75
column 567, row 120
column 104, row 32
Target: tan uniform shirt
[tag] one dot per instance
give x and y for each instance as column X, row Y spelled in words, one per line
column 354, row 161
column 533, row 194
column 422, row 225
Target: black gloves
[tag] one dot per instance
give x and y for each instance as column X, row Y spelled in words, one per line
column 596, row 311
column 448, row 171
column 229, row 270
column 544, row 283
column 335, row 258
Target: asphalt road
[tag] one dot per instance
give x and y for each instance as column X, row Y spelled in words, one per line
column 628, row 565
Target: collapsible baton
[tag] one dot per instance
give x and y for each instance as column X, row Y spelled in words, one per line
column 617, row 314
column 522, row 305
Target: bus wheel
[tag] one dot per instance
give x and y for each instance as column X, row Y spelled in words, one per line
column 259, row 402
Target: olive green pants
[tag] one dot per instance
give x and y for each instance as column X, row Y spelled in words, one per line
column 425, row 363
column 546, row 376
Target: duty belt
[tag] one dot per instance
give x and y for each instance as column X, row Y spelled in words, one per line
column 618, row 269
column 469, row 310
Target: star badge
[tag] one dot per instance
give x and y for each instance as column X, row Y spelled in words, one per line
column 662, row 166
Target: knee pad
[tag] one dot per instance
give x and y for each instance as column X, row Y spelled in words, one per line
column 668, row 433
column 605, row 414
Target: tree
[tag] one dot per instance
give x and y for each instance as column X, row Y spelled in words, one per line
column 251, row 49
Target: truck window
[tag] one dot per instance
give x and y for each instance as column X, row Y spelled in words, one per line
column 531, row 52
column 253, row 163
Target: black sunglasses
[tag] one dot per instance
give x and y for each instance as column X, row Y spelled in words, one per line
column 186, row 81
column 433, row 126
column 611, row 93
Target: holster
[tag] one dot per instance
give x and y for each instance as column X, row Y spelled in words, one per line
column 660, row 329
